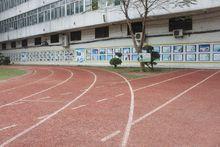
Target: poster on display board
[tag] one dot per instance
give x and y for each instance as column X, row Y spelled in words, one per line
column 204, row 48
column 126, row 54
column 80, row 55
column 24, row 56
column 178, row 57
column 216, row 48
column 191, row 48
column 191, row 57
column 178, row 49
column 204, row 57
column 157, row 49
column 166, row 57
column 94, row 54
column 216, row 57
column 102, row 54
column 166, row 49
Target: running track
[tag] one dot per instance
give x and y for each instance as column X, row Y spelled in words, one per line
column 73, row 106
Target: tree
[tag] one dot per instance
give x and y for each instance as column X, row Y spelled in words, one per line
column 154, row 56
column 143, row 8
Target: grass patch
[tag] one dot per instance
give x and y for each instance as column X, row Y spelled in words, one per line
column 134, row 72
column 6, row 73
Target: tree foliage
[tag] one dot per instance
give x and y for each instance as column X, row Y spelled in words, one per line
column 143, row 8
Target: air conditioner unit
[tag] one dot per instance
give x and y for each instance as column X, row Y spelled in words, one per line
column 65, row 40
column 138, row 36
column 178, row 33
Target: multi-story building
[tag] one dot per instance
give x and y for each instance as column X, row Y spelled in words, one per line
column 89, row 32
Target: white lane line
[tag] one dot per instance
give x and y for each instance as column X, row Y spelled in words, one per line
column 42, row 101
column 8, row 127
column 173, row 99
column 166, row 103
column 61, row 83
column 101, row 100
column 30, row 83
column 17, row 103
column 131, row 112
column 43, row 98
column 110, row 136
column 119, row 95
column 170, row 79
column 79, row 107
column 42, row 117
column 51, row 115
column 66, row 93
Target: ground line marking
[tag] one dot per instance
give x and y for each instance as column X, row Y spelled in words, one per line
column 8, row 127
column 173, row 99
column 119, row 95
column 131, row 112
column 41, row 117
column 42, row 101
column 43, row 98
column 101, row 100
column 166, row 103
column 110, row 136
column 79, row 107
column 30, row 83
column 8, row 104
column 170, row 79
column 53, row 114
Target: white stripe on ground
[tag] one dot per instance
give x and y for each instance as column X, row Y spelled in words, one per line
column 66, row 93
column 17, row 103
column 79, row 107
column 173, row 99
column 110, row 136
column 51, row 115
column 61, row 83
column 100, row 86
column 165, row 104
column 151, row 85
column 101, row 100
column 43, row 98
column 130, row 115
column 41, row 117
column 119, row 95
column 8, row 127
column 42, row 101
column 165, row 81
column 30, row 83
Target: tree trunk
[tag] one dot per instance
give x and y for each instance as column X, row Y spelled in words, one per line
column 142, row 65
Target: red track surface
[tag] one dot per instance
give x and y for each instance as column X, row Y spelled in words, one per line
column 71, row 106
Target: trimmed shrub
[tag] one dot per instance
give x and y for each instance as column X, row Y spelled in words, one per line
column 115, row 62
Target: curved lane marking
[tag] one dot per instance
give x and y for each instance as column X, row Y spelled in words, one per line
column 30, row 83
column 51, row 115
column 8, row 104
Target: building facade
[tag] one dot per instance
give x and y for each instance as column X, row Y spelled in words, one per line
column 90, row 32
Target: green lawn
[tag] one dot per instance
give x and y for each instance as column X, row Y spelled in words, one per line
column 6, row 73
column 134, row 72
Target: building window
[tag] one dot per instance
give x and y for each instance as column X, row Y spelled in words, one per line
column 3, row 46
column 13, row 44
column 70, row 9
column 37, row 41
column 54, row 38
column 184, row 23
column 102, row 32
column 75, row 36
column 95, row 5
column 24, row 43
column 136, row 27
column 117, row 2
